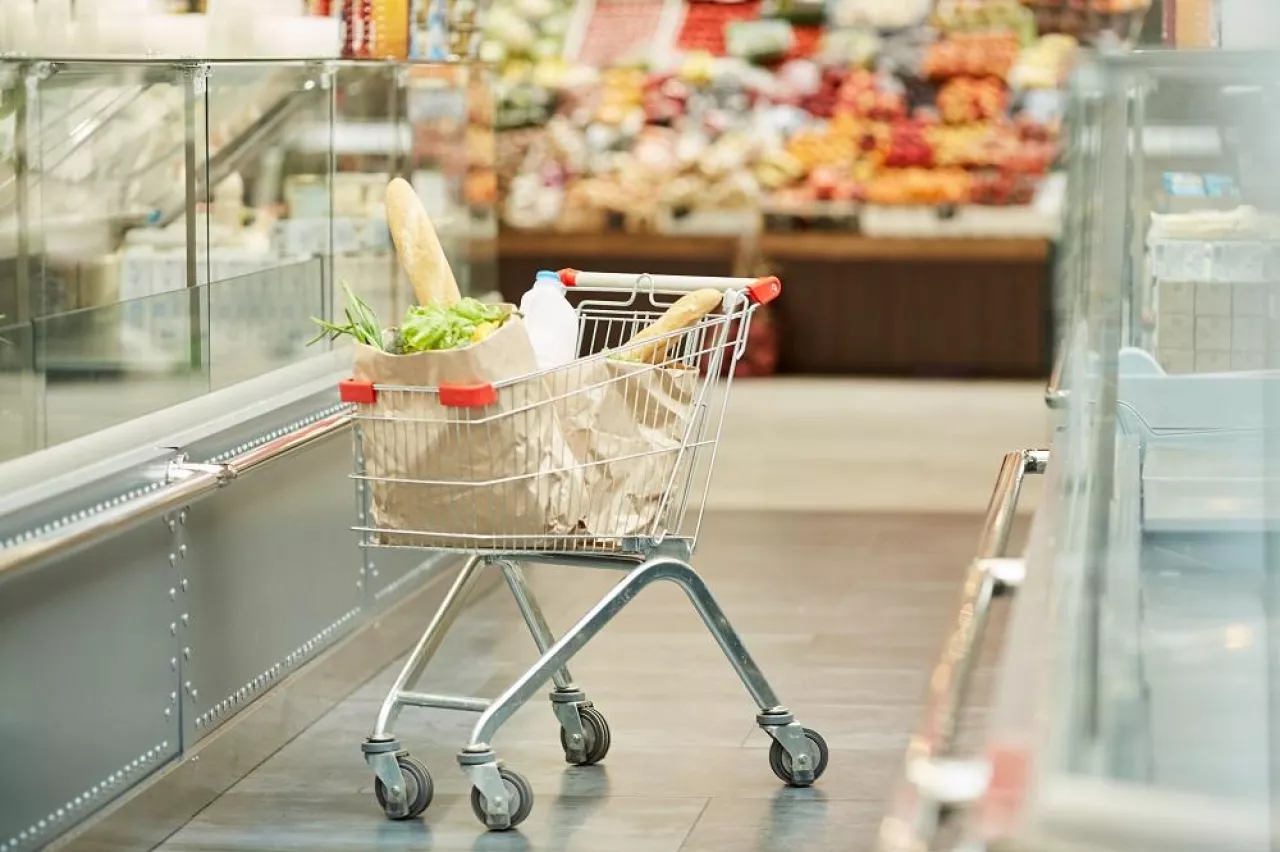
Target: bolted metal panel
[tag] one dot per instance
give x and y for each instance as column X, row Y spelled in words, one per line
column 88, row 669
column 272, row 573
column 392, row 573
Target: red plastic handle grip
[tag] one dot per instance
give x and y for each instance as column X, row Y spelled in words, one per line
column 468, row 396
column 360, row 393
column 765, row 290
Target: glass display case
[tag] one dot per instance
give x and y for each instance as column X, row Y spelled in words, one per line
column 1134, row 704
column 169, row 228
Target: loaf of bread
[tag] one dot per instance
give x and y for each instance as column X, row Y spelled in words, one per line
column 418, row 247
column 684, row 314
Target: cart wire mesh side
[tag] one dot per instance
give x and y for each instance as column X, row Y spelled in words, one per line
column 605, row 462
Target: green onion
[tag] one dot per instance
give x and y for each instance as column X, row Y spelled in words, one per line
column 362, row 324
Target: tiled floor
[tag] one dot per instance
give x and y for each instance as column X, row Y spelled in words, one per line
column 843, row 611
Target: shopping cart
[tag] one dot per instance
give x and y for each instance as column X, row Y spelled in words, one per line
column 640, row 510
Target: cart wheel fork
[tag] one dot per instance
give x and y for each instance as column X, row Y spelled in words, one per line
column 794, row 739
column 382, row 757
column 485, row 773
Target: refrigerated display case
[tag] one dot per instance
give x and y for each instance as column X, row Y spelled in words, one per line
column 1134, row 705
column 167, row 232
column 169, row 228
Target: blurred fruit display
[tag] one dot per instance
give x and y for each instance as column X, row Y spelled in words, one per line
column 619, row 30
column 1092, row 21
column 688, row 113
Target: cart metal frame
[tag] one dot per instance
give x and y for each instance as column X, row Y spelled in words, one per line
column 502, row 798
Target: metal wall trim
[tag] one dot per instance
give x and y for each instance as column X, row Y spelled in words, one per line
column 185, row 486
column 144, row 818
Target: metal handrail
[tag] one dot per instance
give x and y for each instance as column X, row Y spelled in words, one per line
column 932, row 781
column 187, row 483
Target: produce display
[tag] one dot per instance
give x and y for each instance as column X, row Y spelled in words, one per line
column 620, row 30
column 1091, row 20
column 787, row 103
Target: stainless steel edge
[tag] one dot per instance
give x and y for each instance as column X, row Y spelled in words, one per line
column 931, row 780
column 1003, row 505
column 189, row 483
column 1055, row 395
column 299, row 439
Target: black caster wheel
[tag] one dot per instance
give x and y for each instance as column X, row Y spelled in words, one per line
column 520, row 793
column 780, row 761
column 598, row 739
column 418, row 788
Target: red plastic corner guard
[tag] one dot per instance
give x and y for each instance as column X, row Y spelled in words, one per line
column 468, row 396
column 360, row 393
column 764, row 290
column 568, row 277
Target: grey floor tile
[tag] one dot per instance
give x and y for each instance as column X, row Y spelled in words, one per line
column 815, row 824
column 305, row 820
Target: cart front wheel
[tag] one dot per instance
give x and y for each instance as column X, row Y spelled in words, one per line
column 595, row 729
column 418, row 788
column 780, row 760
column 519, row 793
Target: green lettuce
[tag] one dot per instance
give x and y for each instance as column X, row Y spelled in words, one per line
column 433, row 327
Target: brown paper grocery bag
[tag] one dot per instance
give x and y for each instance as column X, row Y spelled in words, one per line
column 627, row 424
column 500, row 476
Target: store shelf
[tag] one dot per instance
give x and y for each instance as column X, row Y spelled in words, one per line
column 664, row 247
column 850, row 247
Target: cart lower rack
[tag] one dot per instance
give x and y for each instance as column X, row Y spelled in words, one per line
column 603, row 463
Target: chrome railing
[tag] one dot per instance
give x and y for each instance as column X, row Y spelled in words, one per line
column 934, row 779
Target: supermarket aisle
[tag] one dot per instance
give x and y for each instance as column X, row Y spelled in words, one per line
column 843, row 513
column 843, row 611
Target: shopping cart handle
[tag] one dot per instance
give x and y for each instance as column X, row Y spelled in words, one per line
column 759, row 290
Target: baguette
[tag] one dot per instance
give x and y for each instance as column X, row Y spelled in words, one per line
column 685, row 313
column 419, row 248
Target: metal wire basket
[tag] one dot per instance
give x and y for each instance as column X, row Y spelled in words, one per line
column 605, row 454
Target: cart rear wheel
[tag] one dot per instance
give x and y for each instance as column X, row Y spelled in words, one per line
column 518, row 791
column 780, row 760
column 595, row 728
column 418, row 788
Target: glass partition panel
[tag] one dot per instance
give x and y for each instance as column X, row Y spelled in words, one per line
column 136, row 197
column 105, row 184
column 20, row 393
column 13, row 104
column 263, row 321
column 370, row 142
column 448, row 120
column 480, row 193
column 266, row 183
column 105, row 366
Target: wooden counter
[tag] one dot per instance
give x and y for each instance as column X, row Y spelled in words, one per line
column 853, row 305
